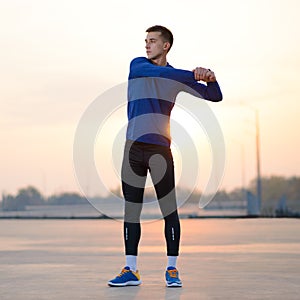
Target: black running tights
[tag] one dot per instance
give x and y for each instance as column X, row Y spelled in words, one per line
column 139, row 158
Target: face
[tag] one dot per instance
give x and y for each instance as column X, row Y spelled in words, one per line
column 155, row 45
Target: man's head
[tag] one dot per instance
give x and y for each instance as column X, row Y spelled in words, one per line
column 159, row 41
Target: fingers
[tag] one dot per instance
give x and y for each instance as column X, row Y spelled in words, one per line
column 204, row 74
column 200, row 73
column 211, row 76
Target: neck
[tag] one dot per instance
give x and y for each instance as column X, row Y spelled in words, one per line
column 160, row 61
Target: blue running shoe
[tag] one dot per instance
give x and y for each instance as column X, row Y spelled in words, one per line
column 126, row 277
column 172, row 277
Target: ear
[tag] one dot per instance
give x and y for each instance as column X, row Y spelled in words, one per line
column 166, row 46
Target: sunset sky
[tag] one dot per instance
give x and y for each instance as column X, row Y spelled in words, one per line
column 57, row 57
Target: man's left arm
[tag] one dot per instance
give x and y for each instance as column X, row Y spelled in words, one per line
column 210, row 91
column 142, row 67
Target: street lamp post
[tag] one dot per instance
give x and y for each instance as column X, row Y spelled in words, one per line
column 258, row 184
column 257, row 148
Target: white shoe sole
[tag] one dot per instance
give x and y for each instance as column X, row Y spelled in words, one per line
column 128, row 283
column 174, row 284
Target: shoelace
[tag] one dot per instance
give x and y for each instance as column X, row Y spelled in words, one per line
column 123, row 272
column 173, row 273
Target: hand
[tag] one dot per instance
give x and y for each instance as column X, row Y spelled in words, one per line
column 203, row 74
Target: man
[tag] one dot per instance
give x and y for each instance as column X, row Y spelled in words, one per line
column 152, row 89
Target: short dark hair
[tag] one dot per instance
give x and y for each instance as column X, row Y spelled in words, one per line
column 165, row 32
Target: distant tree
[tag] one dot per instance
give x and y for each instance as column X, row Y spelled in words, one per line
column 194, row 197
column 9, row 203
column 219, row 199
column 66, row 199
column 30, row 196
column 293, row 193
column 276, row 187
column 26, row 196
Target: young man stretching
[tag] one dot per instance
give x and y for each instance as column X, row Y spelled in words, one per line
column 152, row 89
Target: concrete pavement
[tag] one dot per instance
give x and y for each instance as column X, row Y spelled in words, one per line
column 220, row 259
